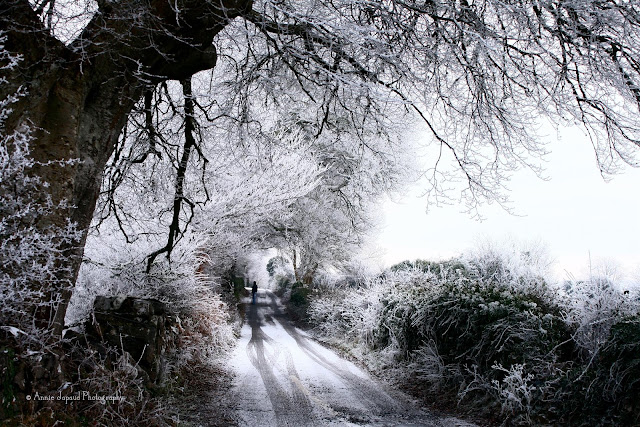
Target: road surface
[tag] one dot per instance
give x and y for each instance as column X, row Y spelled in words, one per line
column 284, row 378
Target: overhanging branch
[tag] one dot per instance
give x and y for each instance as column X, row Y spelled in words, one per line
column 179, row 198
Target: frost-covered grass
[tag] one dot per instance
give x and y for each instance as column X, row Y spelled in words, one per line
column 488, row 332
column 202, row 331
column 114, row 267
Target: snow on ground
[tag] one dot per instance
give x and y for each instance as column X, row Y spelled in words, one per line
column 284, row 378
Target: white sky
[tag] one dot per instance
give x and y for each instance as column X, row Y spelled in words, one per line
column 576, row 215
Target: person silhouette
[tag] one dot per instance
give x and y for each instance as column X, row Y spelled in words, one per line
column 254, row 290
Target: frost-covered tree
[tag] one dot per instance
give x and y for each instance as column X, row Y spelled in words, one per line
column 228, row 192
column 326, row 227
column 284, row 186
column 318, row 233
column 476, row 73
column 32, row 254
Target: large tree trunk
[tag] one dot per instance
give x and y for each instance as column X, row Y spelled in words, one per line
column 79, row 95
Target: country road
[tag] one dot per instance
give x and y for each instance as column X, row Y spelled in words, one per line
column 284, row 378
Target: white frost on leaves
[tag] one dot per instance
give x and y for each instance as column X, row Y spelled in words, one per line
column 515, row 389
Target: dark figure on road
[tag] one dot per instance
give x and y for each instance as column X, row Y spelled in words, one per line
column 254, row 290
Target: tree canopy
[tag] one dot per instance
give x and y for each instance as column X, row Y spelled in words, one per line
column 333, row 83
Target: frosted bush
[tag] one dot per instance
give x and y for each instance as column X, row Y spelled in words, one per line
column 515, row 266
column 488, row 331
column 483, row 330
column 427, row 365
column 350, row 314
column 593, row 306
column 515, row 391
column 114, row 267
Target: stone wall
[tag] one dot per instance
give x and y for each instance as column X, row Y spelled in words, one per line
column 138, row 326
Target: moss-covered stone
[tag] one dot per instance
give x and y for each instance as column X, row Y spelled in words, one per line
column 138, row 326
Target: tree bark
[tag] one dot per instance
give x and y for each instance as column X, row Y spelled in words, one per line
column 80, row 94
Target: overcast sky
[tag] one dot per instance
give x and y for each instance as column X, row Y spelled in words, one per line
column 575, row 214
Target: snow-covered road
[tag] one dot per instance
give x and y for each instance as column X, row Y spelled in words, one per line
column 284, row 378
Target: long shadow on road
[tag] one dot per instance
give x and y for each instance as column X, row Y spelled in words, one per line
column 264, row 353
column 364, row 390
column 287, row 379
